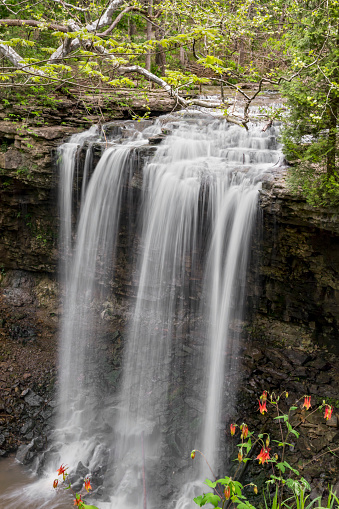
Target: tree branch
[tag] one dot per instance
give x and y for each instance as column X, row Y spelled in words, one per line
column 104, row 20
column 33, row 23
column 16, row 59
column 119, row 17
column 64, row 4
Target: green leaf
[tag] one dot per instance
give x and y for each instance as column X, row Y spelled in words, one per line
column 200, row 500
column 281, row 467
column 285, row 417
column 210, row 483
column 287, row 465
column 207, row 498
column 224, row 480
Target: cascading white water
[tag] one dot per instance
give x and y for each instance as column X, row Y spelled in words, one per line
column 202, row 182
column 67, row 166
column 232, row 207
column 199, row 203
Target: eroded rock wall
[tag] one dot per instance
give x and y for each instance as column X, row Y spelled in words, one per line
column 292, row 336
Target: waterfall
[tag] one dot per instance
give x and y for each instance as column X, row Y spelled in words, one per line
column 197, row 208
column 200, row 195
column 91, row 267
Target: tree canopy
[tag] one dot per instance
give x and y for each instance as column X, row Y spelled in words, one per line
column 176, row 44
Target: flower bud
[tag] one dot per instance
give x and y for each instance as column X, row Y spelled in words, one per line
column 276, row 457
column 193, row 455
column 286, row 394
column 232, row 428
column 244, row 430
column 267, row 441
column 55, row 483
column 240, row 456
column 227, row 492
column 255, row 489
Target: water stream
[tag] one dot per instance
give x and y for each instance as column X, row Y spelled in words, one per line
column 197, row 209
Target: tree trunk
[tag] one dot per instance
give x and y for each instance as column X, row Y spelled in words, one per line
column 332, row 137
column 160, row 56
column 149, row 35
column 333, row 114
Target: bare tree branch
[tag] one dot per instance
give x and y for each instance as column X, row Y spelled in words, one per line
column 119, row 17
column 104, row 20
column 75, row 7
column 16, row 59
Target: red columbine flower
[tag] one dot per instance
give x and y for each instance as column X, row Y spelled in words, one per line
column 264, row 396
column 307, row 402
column 232, row 428
column 264, row 455
column 87, row 484
column 328, row 412
column 78, row 501
column 55, row 483
column 227, row 492
column 62, row 470
column 244, row 430
column 262, row 406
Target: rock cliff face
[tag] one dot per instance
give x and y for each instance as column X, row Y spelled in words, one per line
column 28, row 181
column 292, row 342
column 292, row 334
column 300, row 266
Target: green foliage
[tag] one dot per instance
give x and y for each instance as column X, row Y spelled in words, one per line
column 310, row 132
column 284, row 478
column 311, row 181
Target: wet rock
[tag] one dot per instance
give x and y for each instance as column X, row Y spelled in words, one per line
column 195, row 404
column 33, row 399
column 39, row 443
column 24, row 454
column 28, row 426
column 81, row 470
column 156, row 140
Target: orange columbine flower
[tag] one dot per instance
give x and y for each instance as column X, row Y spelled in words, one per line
column 55, row 483
column 264, row 396
column 227, row 492
column 264, row 455
column 328, row 412
column 244, row 430
column 232, row 428
column 262, row 406
column 62, row 470
column 78, row 501
column 307, row 402
column 87, row 484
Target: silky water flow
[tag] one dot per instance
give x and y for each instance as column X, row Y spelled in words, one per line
column 198, row 207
